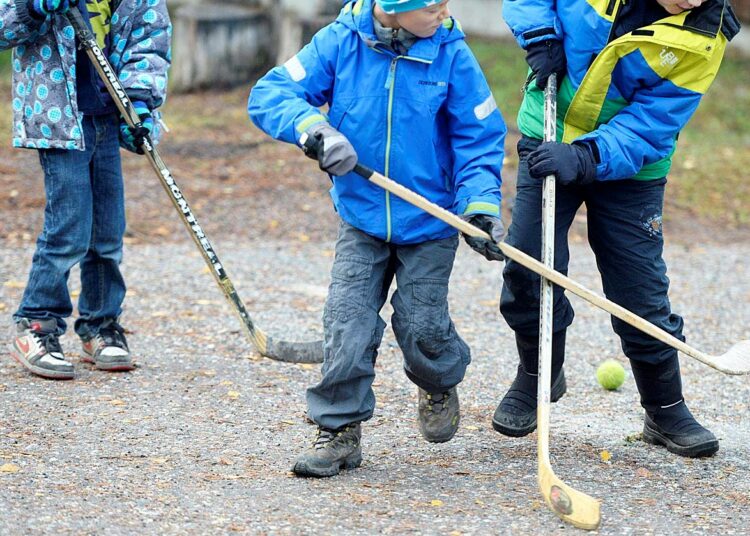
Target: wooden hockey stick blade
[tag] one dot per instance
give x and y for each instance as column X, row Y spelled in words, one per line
column 736, row 361
column 570, row 505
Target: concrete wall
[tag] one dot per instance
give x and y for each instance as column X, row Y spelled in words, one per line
column 219, row 45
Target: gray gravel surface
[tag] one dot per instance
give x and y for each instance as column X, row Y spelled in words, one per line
column 200, row 438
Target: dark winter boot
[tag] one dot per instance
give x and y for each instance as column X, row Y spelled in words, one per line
column 668, row 420
column 438, row 415
column 516, row 414
column 332, row 451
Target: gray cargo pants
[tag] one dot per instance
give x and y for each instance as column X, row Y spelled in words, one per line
column 435, row 357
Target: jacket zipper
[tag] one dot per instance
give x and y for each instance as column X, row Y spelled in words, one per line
column 390, row 85
column 610, row 8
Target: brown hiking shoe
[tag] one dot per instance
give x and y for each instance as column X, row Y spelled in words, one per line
column 438, row 415
column 331, row 451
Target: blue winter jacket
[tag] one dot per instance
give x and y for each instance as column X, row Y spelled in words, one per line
column 426, row 119
column 45, row 107
column 635, row 75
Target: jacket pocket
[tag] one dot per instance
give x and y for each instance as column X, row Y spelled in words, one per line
column 347, row 295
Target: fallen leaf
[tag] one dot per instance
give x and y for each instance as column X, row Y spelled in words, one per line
column 234, row 395
column 14, row 284
column 436, row 502
column 288, row 422
column 9, row 468
column 117, row 402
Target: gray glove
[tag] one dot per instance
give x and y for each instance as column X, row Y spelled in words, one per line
column 492, row 225
column 334, row 152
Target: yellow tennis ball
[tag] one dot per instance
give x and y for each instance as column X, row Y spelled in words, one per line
column 610, row 374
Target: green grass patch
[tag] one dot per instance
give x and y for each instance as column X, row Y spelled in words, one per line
column 5, row 97
column 709, row 176
column 5, row 62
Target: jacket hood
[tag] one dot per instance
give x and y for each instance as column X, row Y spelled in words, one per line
column 357, row 16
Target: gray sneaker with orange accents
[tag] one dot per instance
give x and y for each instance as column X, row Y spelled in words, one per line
column 438, row 415
column 37, row 348
column 108, row 350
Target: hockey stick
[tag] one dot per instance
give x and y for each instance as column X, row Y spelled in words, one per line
column 734, row 361
column 570, row 504
column 291, row 352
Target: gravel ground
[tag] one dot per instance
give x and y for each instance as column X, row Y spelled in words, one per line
column 200, row 438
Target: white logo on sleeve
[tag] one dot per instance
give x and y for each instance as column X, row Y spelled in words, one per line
column 295, row 69
column 483, row 111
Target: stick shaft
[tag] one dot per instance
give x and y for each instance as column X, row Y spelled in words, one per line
column 535, row 266
column 123, row 104
column 546, row 288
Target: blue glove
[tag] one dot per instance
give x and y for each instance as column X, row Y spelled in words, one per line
column 571, row 164
column 545, row 58
column 132, row 138
column 493, row 226
column 42, row 8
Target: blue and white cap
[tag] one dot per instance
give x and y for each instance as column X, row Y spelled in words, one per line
column 399, row 6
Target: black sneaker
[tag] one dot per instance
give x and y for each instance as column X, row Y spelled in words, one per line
column 331, row 451
column 676, row 429
column 515, row 416
column 438, row 415
column 38, row 349
column 108, row 349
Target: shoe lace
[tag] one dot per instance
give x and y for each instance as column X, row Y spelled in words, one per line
column 113, row 334
column 436, row 402
column 49, row 341
column 325, row 436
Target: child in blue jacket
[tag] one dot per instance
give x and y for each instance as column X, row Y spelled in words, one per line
column 62, row 109
column 407, row 98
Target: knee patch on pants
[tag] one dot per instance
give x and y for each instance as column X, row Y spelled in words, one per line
column 429, row 319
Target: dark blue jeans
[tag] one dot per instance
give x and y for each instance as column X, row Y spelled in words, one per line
column 625, row 233
column 84, row 222
column 435, row 356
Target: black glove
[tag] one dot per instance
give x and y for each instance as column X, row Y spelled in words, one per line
column 545, row 58
column 571, row 164
column 494, row 227
column 334, row 153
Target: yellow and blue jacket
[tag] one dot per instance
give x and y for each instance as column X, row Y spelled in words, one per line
column 635, row 75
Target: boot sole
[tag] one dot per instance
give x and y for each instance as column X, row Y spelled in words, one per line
column 302, row 469
column 700, row 450
column 512, row 431
column 39, row 371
